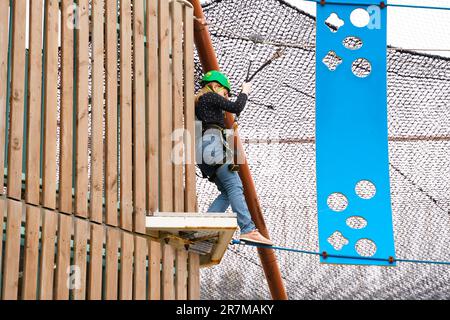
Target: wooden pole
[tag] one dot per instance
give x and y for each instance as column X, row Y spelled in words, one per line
column 209, row 62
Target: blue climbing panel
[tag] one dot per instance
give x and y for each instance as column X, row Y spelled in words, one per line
column 353, row 191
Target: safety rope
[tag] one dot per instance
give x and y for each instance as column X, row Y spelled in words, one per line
column 327, row 255
column 383, row 4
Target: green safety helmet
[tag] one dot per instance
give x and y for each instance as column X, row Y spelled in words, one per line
column 216, row 76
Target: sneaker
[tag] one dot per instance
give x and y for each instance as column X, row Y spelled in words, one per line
column 255, row 237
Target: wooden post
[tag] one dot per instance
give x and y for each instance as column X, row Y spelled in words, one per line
column 140, row 272
column 12, row 250
column 15, row 146
column 82, row 60
column 65, row 227
column 79, row 259
column 47, row 263
column 126, row 170
column 96, row 262
column 167, row 283
column 165, row 114
column 31, row 255
column 152, row 106
column 194, row 277
column 4, row 39
column 111, row 113
column 139, row 166
column 154, row 270
column 96, row 194
column 126, row 266
column 50, row 104
column 177, row 106
column 181, row 274
column 190, row 194
column 33, row 156
column 112, row 264
column 66, row 117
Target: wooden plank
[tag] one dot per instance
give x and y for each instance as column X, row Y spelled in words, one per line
column 96, row 196
column 126, row 161
column 140, row 272
column 139, row 179
column 126, row 266
column 50, row 104
column 96, row 262
column 82, row 62
column 152, row 107
column 32, row 183
column 177, row 106
column 79, row 259
column 190, row 194
column 12, row 250
column 2, row 215
column 66, row 117
column 112, row 264
column 111, row 113
column 31, row 255
column 194, row 277
column 65, row 227
column 47, row 263
column 154, row 270
column 167, row 285
column 165, row 107
column 181, row 274
column 4, row 37
column 17, row 98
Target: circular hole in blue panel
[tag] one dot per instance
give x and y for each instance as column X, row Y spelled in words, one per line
column 365, row 189
column 356, row 222
column 365, row 247
column 352, row 43
column 337, row 202
column 360, row 18
column 361, row 67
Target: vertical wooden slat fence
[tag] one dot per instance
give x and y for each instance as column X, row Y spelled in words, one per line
column 89, row 148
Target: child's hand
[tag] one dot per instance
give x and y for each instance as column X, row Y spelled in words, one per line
column 246, row 88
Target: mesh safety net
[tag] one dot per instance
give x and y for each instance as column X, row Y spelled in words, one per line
column 277, row 128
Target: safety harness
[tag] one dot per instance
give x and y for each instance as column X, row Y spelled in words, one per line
column 211, row 174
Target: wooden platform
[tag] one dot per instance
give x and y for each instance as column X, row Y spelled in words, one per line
column 207, row 234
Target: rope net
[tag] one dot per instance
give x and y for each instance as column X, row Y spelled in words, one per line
column 277, row 128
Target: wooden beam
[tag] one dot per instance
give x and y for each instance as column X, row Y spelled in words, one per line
column 66, row 117
column 50, row 104
column 126, row 266
column 190, row 195
column 112, row 264
column 4, row 39
column 139, row 165
column 12, row 250
column 96, row 262
column 65, row 228
column 165, row 107
column 47, row 263
column 126, row 161
column 111, row 178
column 96, row 194
column 81, row 148
column 177, row 152
column 17, row 99
column 31, row 255
column 152, row 106
column 33, row 156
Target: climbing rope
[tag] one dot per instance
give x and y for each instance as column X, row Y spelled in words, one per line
column 326, row 255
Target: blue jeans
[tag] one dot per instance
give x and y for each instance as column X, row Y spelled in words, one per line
column 210, row 150
column 232, row 193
